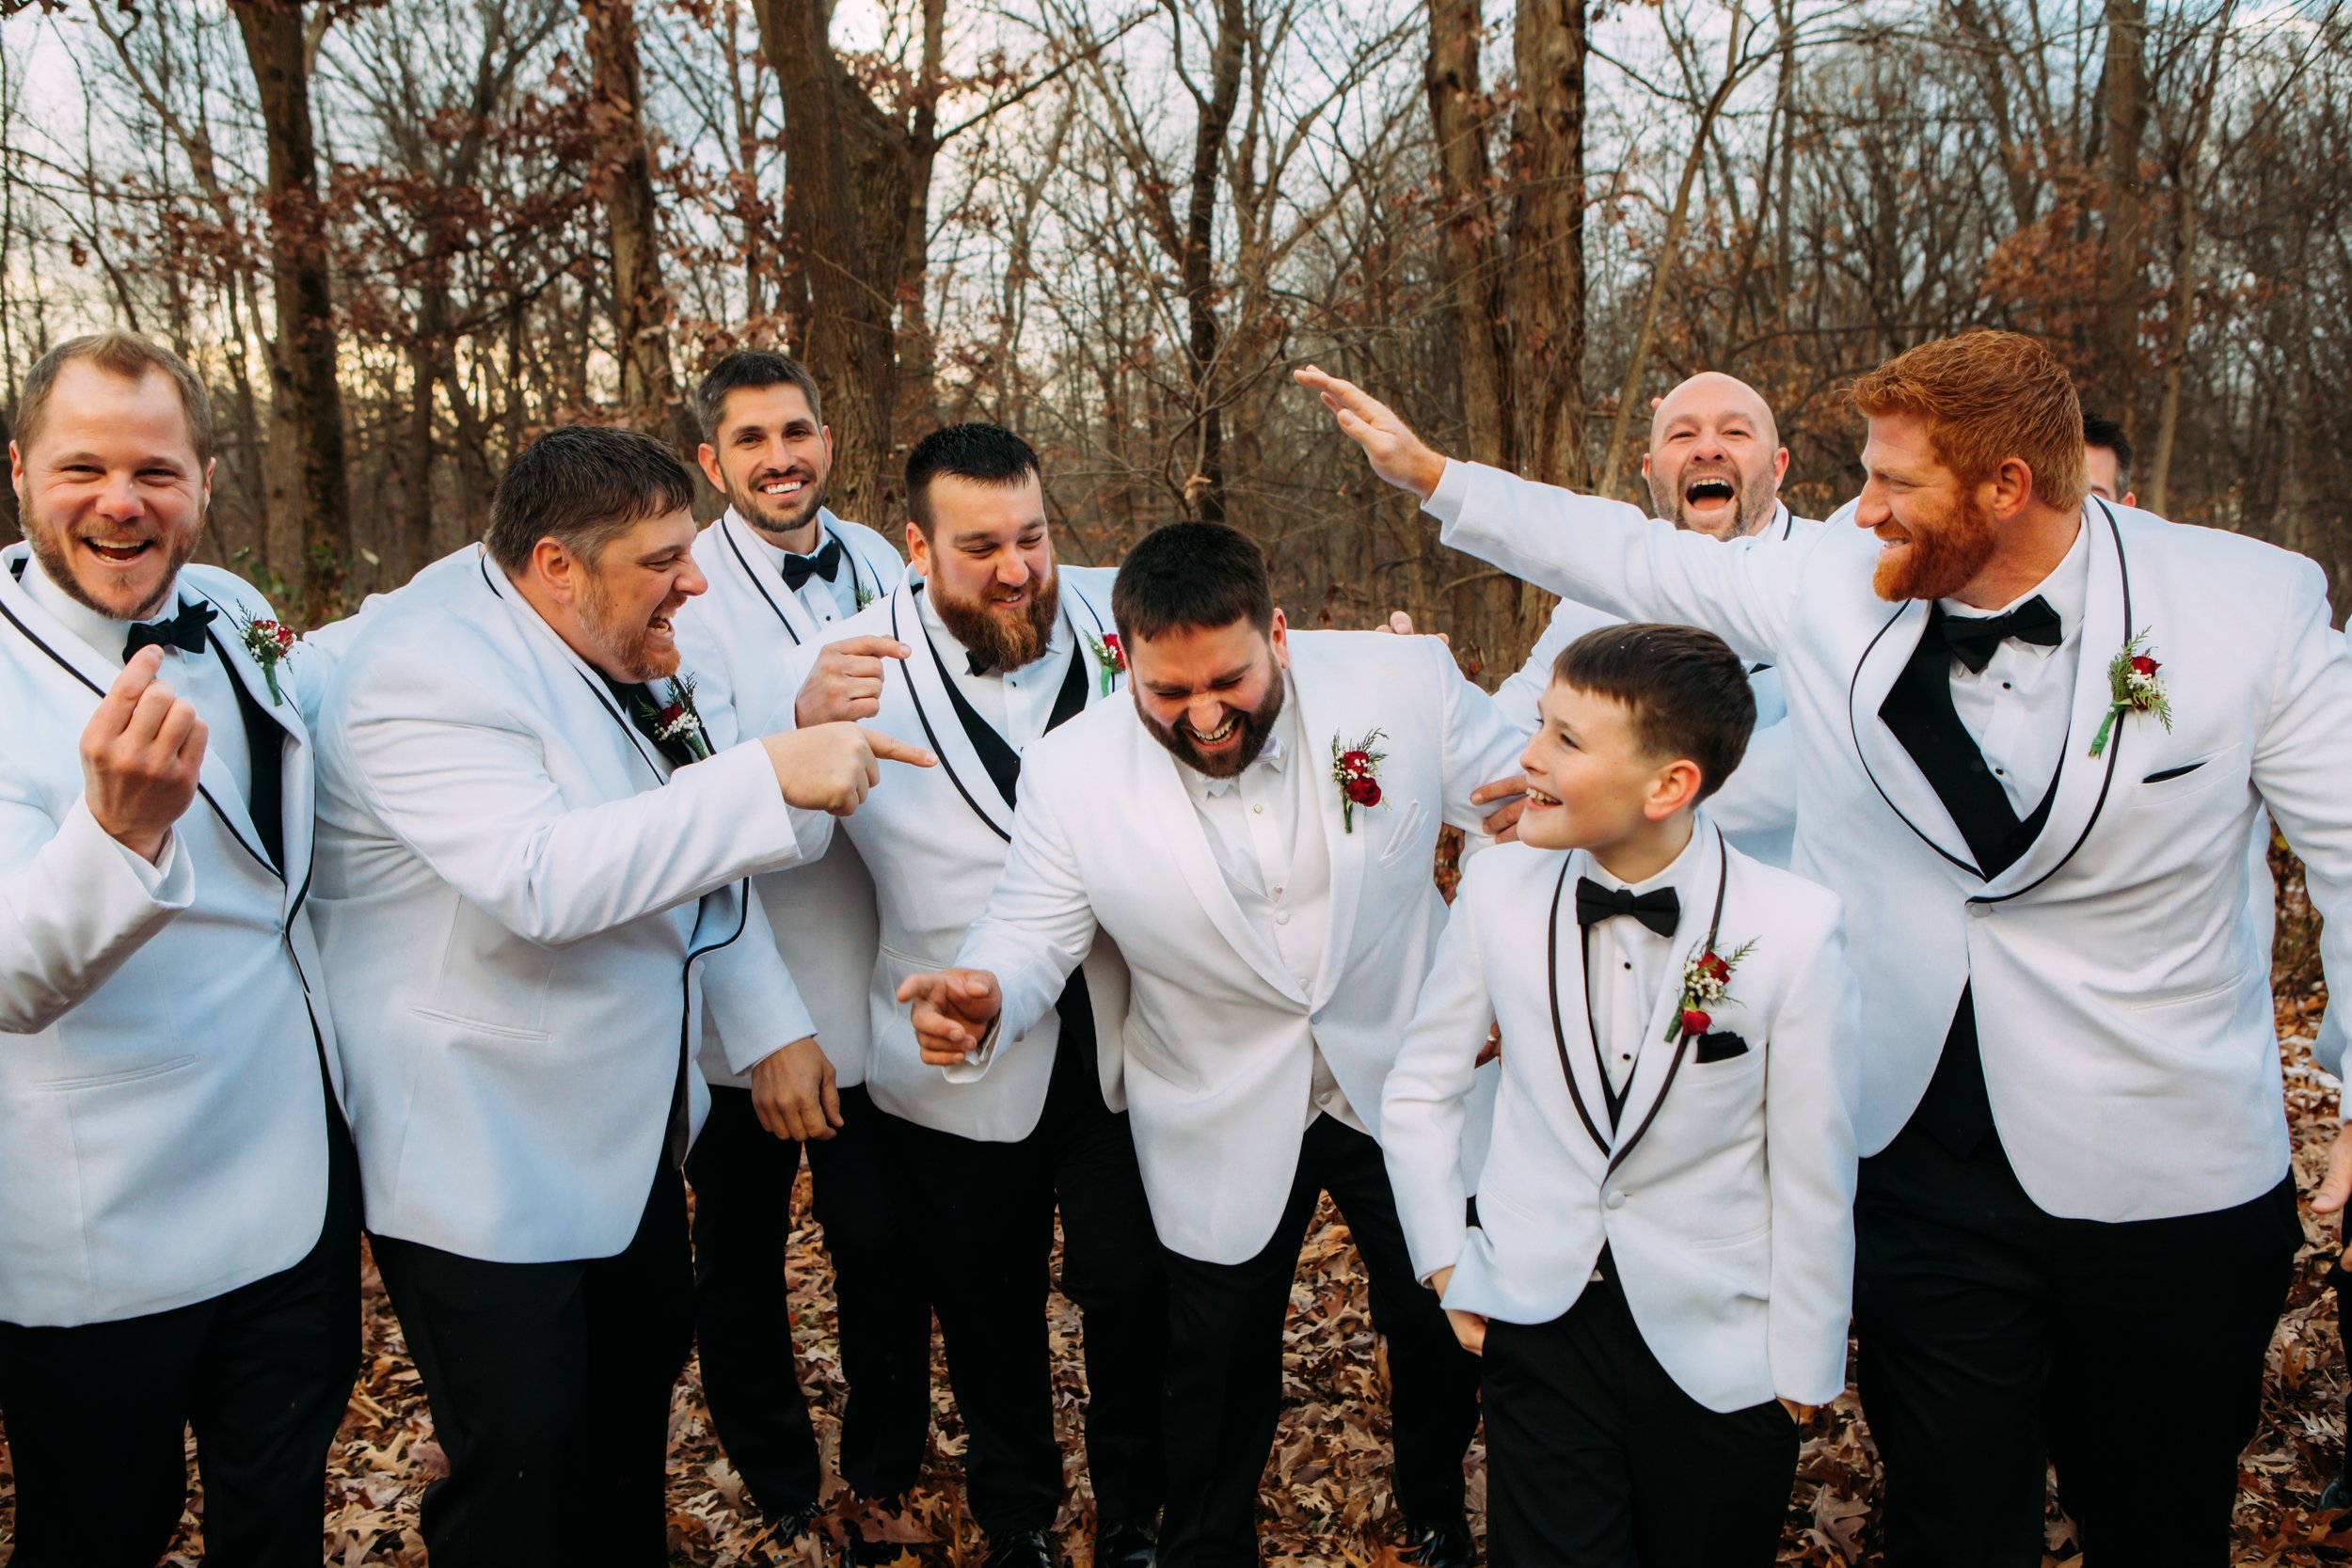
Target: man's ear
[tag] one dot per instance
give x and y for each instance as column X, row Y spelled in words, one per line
column 1780, row 466
column 1278, row 636
column 556, row 569
column 708, row 457
column 2010, row 488
column 918, row 551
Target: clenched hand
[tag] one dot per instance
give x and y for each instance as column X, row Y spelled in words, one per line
column 847, row 680
column 140, row 754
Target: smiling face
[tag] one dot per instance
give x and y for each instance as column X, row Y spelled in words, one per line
column 111, row 496
column 988, row 562
column 1936, row 532
column 1590, row 785
column 1210, row 694
column 621, row 604
column 771, row 461
column 1715, row 460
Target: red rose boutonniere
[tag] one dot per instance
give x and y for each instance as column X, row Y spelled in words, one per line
column 677, row 723
column 1357, row 771
column 2133, row 686
column 268, row 642
column 1706, row 982
column 1110, row 658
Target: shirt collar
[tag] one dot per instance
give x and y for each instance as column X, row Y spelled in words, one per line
column 1273, row 755
column 104, row 633
column 2066, row 590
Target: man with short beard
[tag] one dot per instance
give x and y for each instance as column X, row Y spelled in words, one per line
column 782, row 570
column 1255, row 832
column 178, row 1198
column 2032, row 731
column 533, row 841
column 988, row 646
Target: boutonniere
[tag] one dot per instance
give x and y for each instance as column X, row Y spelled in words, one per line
column 1706, row 982
column 1110, row 658
column 270, row 642
column 858, row 590
column 1357, row 771
column 676, row 722
column 2133, row 686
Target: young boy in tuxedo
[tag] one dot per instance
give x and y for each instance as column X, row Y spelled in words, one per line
column 1657, row 1266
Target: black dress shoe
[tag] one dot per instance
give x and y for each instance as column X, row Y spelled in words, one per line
column 791, row 1526
column 1442, row 1545
column 2338, row 1496
column 1020, row 1548
column 1125, row 1546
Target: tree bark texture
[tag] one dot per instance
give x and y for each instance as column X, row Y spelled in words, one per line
column 1204, row 488
column 304, row 501
column 2124, row 111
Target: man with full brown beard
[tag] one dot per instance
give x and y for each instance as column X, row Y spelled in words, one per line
column 1000, row 644
column 2032, row 732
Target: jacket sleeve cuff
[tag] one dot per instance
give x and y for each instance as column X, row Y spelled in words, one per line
column 979, row 1058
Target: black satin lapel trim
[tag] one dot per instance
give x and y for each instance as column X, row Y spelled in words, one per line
column 226, row 821
column 760, row 588
column 1559, row 1034
column 2115, row 738
column 1863, row 755
column 915, row 695
column 636, row 739
column 1682, row 1048
column 857, row 589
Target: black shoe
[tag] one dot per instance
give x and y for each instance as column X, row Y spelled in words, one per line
column 1130, row 1544
column 2338, row 1496
column 791, row 1526
column 1445, row 1545
column 1020, row 1548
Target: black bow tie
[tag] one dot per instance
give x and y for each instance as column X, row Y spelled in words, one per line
column 1974, row 637
column 1659, row 908
column 977, row 664
column 184, row 632
column 825, row 564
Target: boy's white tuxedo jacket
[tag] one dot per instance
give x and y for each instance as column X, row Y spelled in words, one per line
column 739, row 639
column 1219, row 1037
column 934, row 839
column 1724, row 1194
column 162, row 1127
column 1756, row 807
column 2122, row 1010
column 521, row 918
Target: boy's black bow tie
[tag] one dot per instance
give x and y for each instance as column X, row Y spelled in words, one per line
column 1660, row 909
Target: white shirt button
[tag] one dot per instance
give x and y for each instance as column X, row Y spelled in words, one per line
column 1258, row 809
column 1282, row 917
column 1616, row 1201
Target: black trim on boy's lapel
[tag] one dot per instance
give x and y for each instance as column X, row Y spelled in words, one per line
column 915, row 695
column 1682, row 1048
column 1559, row 1034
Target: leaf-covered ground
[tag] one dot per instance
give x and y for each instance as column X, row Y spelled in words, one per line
column 1325, row 1500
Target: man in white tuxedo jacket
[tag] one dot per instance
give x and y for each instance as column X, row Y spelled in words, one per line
column 1256, row 831
column 1659, row 1270
column 529, row 895
column 2071, row 1084
column 782, row 572
column 991, row 644
column 1714, row 467
column 179, row 1210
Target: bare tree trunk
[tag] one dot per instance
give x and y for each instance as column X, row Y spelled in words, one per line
column 641, row 306
column 1545, row 295
column 2125, row 109
column 845, row 212
column 1471, row 241
column 919, row 370
column 307, row 505
column 1205, row 487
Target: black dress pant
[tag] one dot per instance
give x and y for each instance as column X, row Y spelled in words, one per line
column 1596, row 1458
column 982, row 1220
column 1224, row 1362
column 97, row 1416
column 549, row 1386
column 1993, row 1334
column 742, row 1178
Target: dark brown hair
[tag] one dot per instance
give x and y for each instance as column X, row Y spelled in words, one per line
column 1686, row 690
column 584, row 486
column 1191, row 575
column 751, row 369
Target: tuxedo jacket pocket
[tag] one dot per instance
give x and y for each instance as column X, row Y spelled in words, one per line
column 1402, row 836
column 1720, row 1045
column 2181, row 771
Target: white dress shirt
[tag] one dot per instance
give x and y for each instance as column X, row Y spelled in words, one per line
column 826, row 601
column 1016, row 704
column 201, row 678
column 2015, row 707
column 1267, row 838
column 1627, row 964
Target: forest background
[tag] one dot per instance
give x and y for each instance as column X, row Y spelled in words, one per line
column 399, row 237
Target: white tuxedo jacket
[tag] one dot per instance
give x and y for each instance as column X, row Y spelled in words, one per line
column 1219, row 1037
column 935, row 840
column 2122, row 1008
column 1756, row 807
column 740, row 639
column 1725, row 1193
column 162, row 1127
column 523, row 915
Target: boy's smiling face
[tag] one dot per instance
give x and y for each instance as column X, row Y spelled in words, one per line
column 1590, row 783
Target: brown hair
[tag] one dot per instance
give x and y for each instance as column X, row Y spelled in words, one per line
column 754, row 370
column 1987, row 397
column 123, row 354
column 1687, row 691
column 582, row 486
